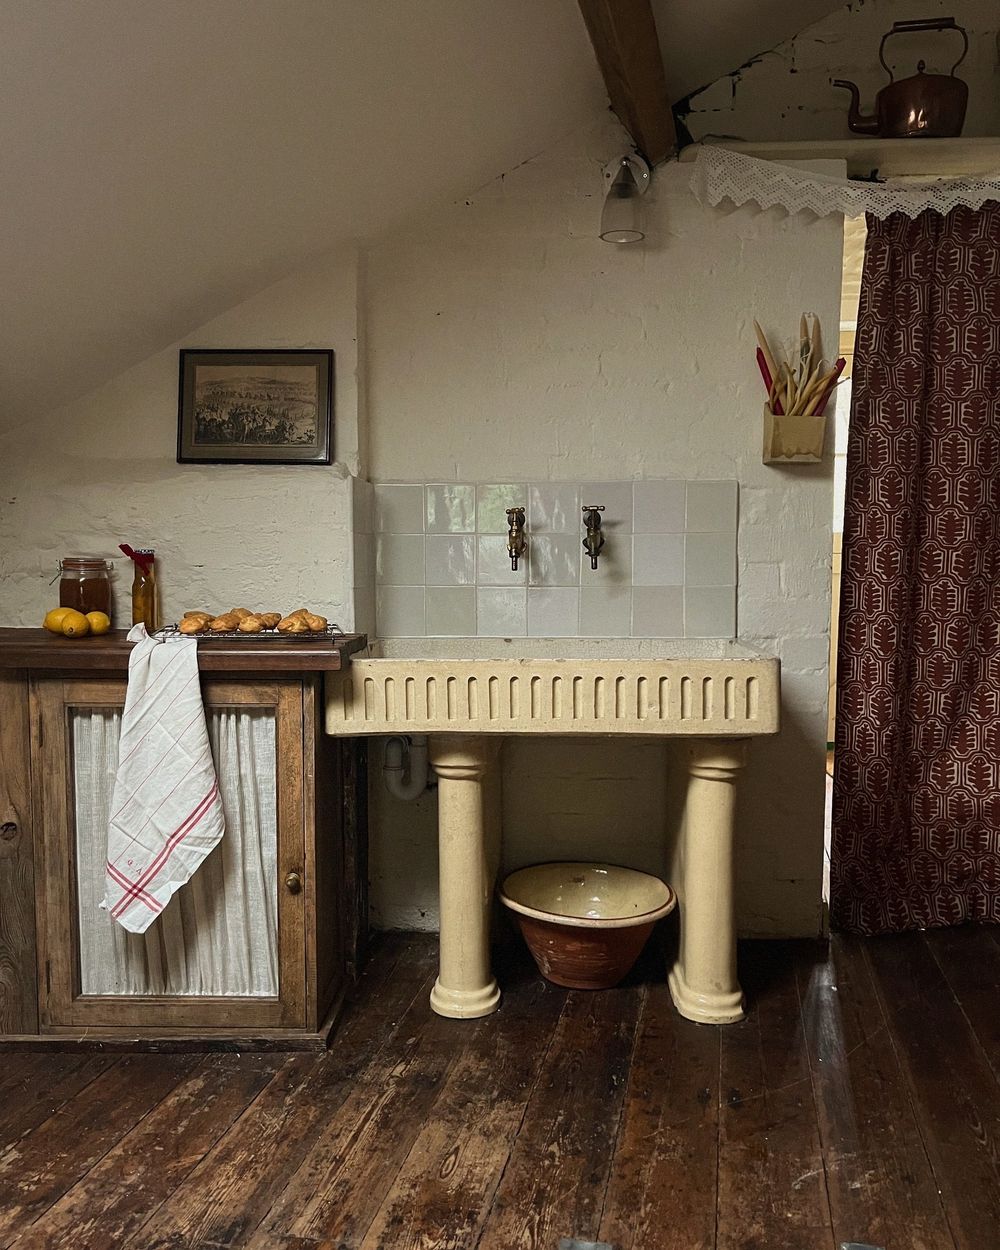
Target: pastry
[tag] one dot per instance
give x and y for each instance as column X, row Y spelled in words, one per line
column 250, row 624
column 204, row 615
column 316, row 623
column 239, row 613
column 270, row 619
column 293, row 625
column 193, row 625
column 224, row 624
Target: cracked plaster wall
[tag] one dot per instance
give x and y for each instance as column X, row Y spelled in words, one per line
column 506, row 342
column 785, row 93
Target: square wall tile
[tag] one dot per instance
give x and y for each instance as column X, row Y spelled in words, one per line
column 451, row 509
column 501, row 613
column 554, row 560
column 658, row 560
column 616, row 499
column 451, row 611
column 553, row 613
column 399, row 508
column 658, row 612
column 659, row 507
column 399, row 559
column 710, row 560
column 492, row 502
column 494, row 563
column 553, row 508
column 450, row 559
column 711, row 506
column 710, row 612
column 399, row 611
column 605, row 612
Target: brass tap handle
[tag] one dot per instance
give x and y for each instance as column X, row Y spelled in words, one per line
column 595, row 538
column 515, row 535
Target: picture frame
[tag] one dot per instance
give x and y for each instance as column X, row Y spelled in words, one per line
column 255, row 406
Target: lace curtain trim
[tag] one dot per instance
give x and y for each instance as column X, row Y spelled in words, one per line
column 722, row 174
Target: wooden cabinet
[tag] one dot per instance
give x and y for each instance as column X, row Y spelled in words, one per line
column 258, row 948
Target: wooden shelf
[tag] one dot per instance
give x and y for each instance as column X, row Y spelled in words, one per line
column 108, row 653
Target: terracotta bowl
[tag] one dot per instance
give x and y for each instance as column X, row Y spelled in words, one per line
column 585, row 924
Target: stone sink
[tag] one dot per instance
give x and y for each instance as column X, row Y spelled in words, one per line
column 467, row 693
column 541, row 685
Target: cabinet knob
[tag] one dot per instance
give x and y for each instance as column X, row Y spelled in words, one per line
column 294, row 883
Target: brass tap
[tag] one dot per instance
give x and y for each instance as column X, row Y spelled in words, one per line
column 516, row 541
column 595, row 539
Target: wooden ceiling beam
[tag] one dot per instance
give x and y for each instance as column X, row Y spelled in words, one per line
column 624, row 36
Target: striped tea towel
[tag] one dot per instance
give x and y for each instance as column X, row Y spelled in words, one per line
column 166, row 813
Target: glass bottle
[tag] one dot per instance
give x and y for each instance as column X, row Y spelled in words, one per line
column 84, row 584
column 144, row 589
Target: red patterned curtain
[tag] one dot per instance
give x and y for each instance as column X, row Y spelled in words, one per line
column 916, row 808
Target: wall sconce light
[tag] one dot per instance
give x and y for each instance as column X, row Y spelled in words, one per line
column 627, row 181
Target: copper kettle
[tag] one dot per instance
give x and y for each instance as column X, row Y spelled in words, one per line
column 931, row 106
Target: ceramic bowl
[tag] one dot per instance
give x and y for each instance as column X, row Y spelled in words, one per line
column 585, row 924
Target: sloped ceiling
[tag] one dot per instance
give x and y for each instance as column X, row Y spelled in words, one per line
column 163, row 159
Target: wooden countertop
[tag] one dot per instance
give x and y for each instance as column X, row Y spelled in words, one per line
column 38, row 649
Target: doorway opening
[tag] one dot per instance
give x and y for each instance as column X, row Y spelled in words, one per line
column 855, row 233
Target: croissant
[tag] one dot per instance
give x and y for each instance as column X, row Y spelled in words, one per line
column 250, row 625
column 239, row 613
column 205, row 615
column 193, row 625
column 316, row 623
column 270, row 619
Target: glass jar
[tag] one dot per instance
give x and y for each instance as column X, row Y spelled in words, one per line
column 84, row 584
column 144, row 589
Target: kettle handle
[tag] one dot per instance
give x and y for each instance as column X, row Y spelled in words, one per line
column 927, row 23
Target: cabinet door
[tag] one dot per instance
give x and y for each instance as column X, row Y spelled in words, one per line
column 227, row 951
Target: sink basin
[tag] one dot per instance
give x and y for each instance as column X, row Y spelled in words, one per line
column 648, row 688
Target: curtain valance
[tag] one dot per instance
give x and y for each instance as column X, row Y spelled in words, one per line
column 723, row 174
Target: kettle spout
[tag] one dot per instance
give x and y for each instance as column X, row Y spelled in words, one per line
column 860, row 124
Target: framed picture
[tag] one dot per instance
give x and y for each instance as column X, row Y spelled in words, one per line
column 255, row 407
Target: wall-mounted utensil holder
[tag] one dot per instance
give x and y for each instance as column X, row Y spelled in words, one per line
column 793, row 439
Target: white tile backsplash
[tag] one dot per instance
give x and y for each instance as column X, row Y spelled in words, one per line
column 399, row 508
column 502, row 613
column 658, row 560
column 450, row 559
column 553, row 508
column 451, row 508
column 554, row 560
column 659, row 507
column 667, row 569
column 451, row 611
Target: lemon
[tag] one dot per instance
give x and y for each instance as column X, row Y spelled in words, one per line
column 99, row 622
column 54, row 619
column 75, row 624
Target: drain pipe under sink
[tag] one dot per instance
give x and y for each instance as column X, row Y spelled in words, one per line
column 404, row 766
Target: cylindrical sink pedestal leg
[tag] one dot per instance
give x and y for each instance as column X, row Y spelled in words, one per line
column 703, row 981
column 465, row 987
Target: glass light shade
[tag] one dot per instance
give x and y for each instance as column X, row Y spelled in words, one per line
column 621, row 218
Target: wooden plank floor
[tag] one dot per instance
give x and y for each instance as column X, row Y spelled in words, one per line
column 859, row 1101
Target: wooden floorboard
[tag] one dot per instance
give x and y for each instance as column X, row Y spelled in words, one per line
column 954, row 1090
column 879, row 1179
column 772, row 1184
column 859, row 1101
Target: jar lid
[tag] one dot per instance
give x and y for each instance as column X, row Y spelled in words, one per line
column 89, row 561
